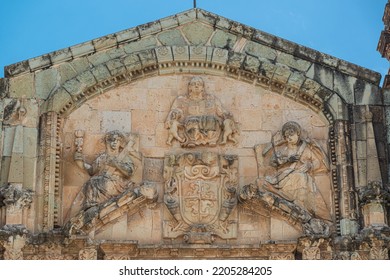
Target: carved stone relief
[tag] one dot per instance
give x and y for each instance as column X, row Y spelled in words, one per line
column 288, row 168
column 200, row 194
column 198, row 118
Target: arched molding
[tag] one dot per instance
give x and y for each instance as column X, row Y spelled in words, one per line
column 165, row 60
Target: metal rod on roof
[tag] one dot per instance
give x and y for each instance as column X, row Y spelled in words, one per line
column 194, row 3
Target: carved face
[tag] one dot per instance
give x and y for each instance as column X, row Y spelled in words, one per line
column 196, row 88
column 291, row 136
column 114, row 142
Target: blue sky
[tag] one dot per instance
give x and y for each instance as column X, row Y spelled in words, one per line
column 346, row 29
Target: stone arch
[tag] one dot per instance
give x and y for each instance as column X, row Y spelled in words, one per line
column 165, row 60
column 276, row 77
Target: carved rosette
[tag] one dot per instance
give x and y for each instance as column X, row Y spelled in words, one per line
column 200, row 195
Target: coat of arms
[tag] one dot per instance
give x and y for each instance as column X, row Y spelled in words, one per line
column 200, row 195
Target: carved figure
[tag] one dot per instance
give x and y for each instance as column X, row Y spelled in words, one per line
column 110, row 171
column 295, row 161
column 204, row 122
column 173, row 124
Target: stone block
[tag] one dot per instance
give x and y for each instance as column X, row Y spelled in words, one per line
column 116, row 53
column 22, row 86
column 264, row 38
column 293, row 62
column 223, row 40
column 148, row 58
column 181, row 53
column 200, row 53
column 344, row 86
column 296, row 80
column 87, row 79
column 116, row 67
column 98, row 58
column 337, row 107
column 267, row 68
column 143, row 121
column 220, row 56
column 8, row 142
column 250, row 119
column 251, row 138
column 197, row 33
column 149, row 28
column 82, row 49
column 281, row 74
column 16, row 69
column 66, row 72
column 322, row 75
column 169, row 22
column 127, row 35
column 251, row 64
column 236, row 60
column 164, row 54
column 3, row 88
column 16, row 173
column 186, row 17
column 310, row 87
column 367, row 94
column 327, row 59
column 260, row 51
column 207, row 17
column 61, row 99
column 306, row 53
column 101, row 73
column 31, row 119
column 171, row 38
column 60, row 55
column 242, row 30
column 39, row 62
column 45, row 82
column 348, row 68
column 223, row 23
column 104, row 42
column 80, row 64
column 285, row 45
column 73, row 86
column 132, row 62
column 115, row 120
column 29, row 170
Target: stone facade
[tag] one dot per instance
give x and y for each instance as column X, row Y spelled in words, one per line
column 193, row 137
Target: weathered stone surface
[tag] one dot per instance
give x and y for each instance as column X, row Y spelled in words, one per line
column 293, row 62
column 39, row 62
column 223, row 40
column 82, row 49
column 104, row 42
column 17, row 68
column 61, row 55
column 22, row 86
column 45, row 82
column 149, row 28
column 3, row 87
column 322, row 75
column 344, row 86
column 260, row 51
column 66, row 72
column 58, row 109
column 146, row 43
column 171, row 38
column 197, row 33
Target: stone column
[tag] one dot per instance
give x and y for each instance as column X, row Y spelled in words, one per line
column 344, row 168
column 374, row 196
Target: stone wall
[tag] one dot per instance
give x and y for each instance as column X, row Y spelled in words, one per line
column 58, row 111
